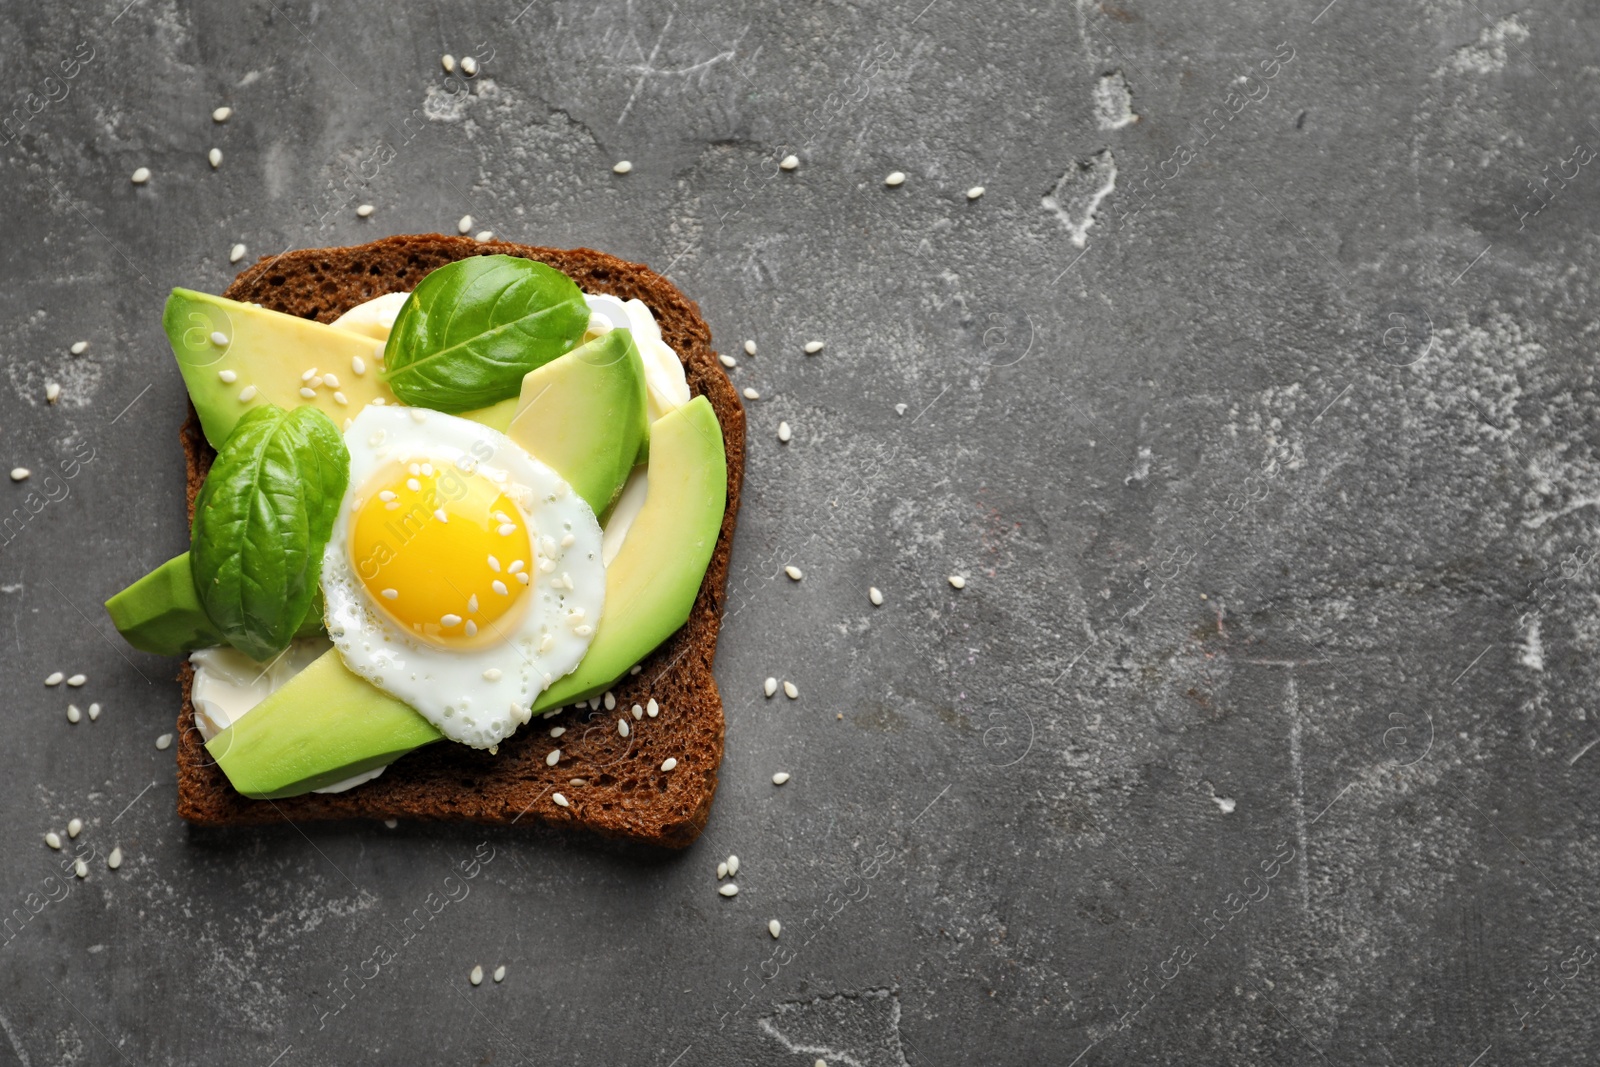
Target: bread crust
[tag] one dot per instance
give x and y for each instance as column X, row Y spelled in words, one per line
column 624, row 794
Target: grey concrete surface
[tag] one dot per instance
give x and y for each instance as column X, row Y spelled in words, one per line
column 1254, row 399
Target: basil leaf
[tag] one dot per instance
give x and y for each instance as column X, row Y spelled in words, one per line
column 473, row 328
column 261, row 523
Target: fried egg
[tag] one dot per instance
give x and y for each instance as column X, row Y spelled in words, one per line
column 463, row 576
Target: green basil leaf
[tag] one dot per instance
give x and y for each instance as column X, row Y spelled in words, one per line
column 261, row 523
column 473, row 328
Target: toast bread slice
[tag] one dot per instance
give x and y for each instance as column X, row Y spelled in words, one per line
column 614, row 785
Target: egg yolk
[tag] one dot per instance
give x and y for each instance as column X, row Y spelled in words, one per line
column 444, row 553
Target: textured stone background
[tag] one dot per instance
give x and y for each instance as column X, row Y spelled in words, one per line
column 1261, row 426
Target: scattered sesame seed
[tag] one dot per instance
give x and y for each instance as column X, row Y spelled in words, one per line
column 80, row 868
column 74, row 827
column 813, row 347
column 492, row 674
column 610, row 700
column 789, row 162
column 975, row 192
column 557, row 731
column 476, row 977
column 115, row 859
column 390, row 594
column 780, row 778
column 784, row 433
column 310, row 373
column 484, row 235
column 79, row 347
column 560, row 800
column 733, row 866
column 652, row 709
column 500, row 973
column 222, row 114
column 669, row 764
column 622, row 727
column 365, row 211
column 247, row 394
column 469, row 66
column 820, row 1063
column 727, row 360
column 465, row 224
column 896, row 177
column 94, row 712
column 553, row 758
column 722, row 870
column 215, row 158
column 448, row 62
column 219, row 338
column 795, row 573
column 622, row 167
column 774, row 928
column 569, row 540
column 308, row 392
column 141, row 175
column 20, row 474
column 52, row 839
column 73, row 714
column 448, row 620
column 339, row 398
column 331, row 381
column 790, row 691
column 164, row 741
column 77, row 680
column 749, row 348
column 957, row 582
column 635, row 669
column 391, row 823
column 638, row 712
column 729, row 890
column 875, row 595
column 506, row 529
column 52, row 392
column 56, row 677
column 770, row 686
column 751, row 394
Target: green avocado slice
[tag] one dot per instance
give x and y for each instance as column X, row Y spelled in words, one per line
column 328, row 723
column 160, row 613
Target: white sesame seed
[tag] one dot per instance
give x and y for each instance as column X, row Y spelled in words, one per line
column 553, row 758
column 222, row 114
column 441, row 514
column 115, row 859
column 722, row 870
column 622, row 167
column 484, row 235
column 790, row 691
column 331, row 381
column 957, row 582
column 729, row 890
column 560, row 800
column 749, row 348
column 74, row 827
column 56, row 677
column 610, row 700
column 52, row 839
column 391, row 823
column 780, row 778
column 506, row 529
column 20, row 474
column 500, row 973
column 310, row 373
column 413, row 485
column 522, row 576
column 813, row 347
column 637, row 711
column 73, row 714
column 492, row 674
column 669, row 764
column 219, row 338
column 789, row 162
column 215, row 158
column 652, row 709
column 770, row 686
column 515, row 568
column 875, row 595
column 247, row 394
column 448, row 62
column 52, row 392
column 784, row 433
column 774, row 928
column 164, row 741
column 308, row 392
column 469, row 66
column 79, row 347
column 365, row 211
column 569, row 540
column 795, row 573
column 390, row 594
column 94, row 712
column 733, row 866
column 727, row 360
column 418, row 415
column 751, row 394
column 975, row 192
column 622, row 727
column 141, row 175
column 896, row 177
column 228, row 377
column 339, row 398
column 77, row 680
column 448, row 620
column 465, row 225
column 476, row 977
column 636, row 668
column 80, row 868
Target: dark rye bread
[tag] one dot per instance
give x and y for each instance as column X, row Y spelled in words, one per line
column 624, row 793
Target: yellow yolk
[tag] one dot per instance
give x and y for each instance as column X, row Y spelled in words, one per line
column 445, row 554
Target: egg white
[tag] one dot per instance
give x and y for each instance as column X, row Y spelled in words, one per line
column 450, row 687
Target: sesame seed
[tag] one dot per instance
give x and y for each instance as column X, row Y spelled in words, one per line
column 896, row 177
column 310, row 373
column 875, row 595
column 476, row 977
column 492, row 674
column 507, row 529
column 222, row 114
column 56, row 678
column 219, row 338
column 74, row 827
column 546, row 643
column 557, row 731
column 749, row 348
column 413, row 485
column 52, row 839
column 569, row 540
column 727, row 360
column 448, row 620
column 610, row 700
column 164, row 741
column 751, row 394
column 94, row 712
column 500, row 973
column 390, row 594
column 957, row 582
column 484, row 235
column 638, row 712
column 441, row 514
column 790, row 691
column 448, row 62
column 215, row 158
column 471, row 628
column 308, row 392
column 789, row 162
column 733, row 866
column 141, row 175
column 652, row 709
column 515, row 568
column 73, row 714
column 635, row 669
column 79, row 347
column 522, row 576
column 553, row 758
column 722, row 870
column 52, row 392
column 784, row 433
column 774, row 928
column 391, row 823
column 622, row 727
column 621, row 167
column 729, row 890
column 418, row 415
column 780, row 778
column 80, row 868
column 20, row 474
column 228, row 377
column 465, row 224
column 795, row 573
column 469, row 66
column 813, row 347
column 560, row 800
column 365, row 211
column 340, row 398
column 77, row 680
column 669, row 764
column 975, row 192
column 331, row 381
column 770, row 686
